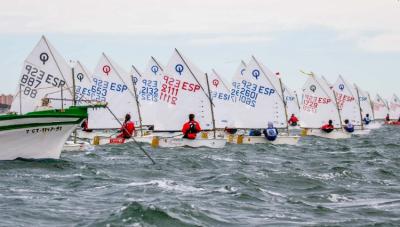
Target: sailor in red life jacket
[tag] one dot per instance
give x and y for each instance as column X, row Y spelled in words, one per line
column 85, row 126
column 191, row 128
column 128, row 128
column 293, row 120
column 328, row 127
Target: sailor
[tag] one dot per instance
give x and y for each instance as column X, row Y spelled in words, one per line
column 254, row 132
column 349, row 127
column 328, row 127
column 230, row 129
column 387, row 118
column 128, row 128
column 271, row 133
column 366, row 119
column 85, row 126
column 293, row 120
column 191, row 128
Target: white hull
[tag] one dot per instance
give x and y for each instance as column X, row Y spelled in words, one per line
column 361, row 132
column 333, row 135
column 43, row 142
column 173, row 142
column 373, row 125
column 281, row 140
column 180, row 142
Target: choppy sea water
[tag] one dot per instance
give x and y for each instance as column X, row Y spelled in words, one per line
column 354, row 182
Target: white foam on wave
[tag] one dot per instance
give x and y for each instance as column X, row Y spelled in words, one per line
column 217, row 158
column 226, row 189
column 272, row 193
column 168, row 185
column 338, row 198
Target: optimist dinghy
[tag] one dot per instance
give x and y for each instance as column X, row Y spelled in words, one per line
column 348, row 102
column 380, row 108
column 258, row 99
column 184, row 89
column 319, row 106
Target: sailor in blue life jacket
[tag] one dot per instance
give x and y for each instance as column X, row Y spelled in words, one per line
column 271, row 133
column 254, row 132
column 366, row 119
column 349, row 127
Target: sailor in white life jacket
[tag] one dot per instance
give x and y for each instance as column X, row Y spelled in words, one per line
column 271, row 133
column 349, row 127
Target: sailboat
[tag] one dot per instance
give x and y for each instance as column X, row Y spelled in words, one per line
column 318, row 106
column 184, row 90
column 83, row 83
column 394, row 110
column 148, row 86
column 347, row 100
column 111, row 85
column 36, row 129
column 45, row 81
column 367, row 108
column 222, row 99
column 292, row 104
column 258, row 99
column 380, row 108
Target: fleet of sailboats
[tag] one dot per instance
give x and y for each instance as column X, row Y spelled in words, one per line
column 52, row 98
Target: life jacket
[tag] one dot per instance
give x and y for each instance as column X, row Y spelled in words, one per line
column 327, row 128
column 127, row 130
column 190, row 129
column 367, row 120
column 349, row 127
column 293, row 119
column 271, row 133
column 255, row 132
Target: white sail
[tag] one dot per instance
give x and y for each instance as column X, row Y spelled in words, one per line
column 318, row 104
column 112, row 84
column 43, row 75
column 292, row 102
column 380, row 108
column 83, row 84
column 257, row 98
column 182, row 93
column 148, row 88
column 220, row 94
column 394, row 107
column 346, row 98
column 365, row 103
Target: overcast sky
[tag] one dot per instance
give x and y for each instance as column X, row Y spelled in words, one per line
column 359, row 39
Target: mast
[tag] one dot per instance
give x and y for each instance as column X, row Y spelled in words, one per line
column 359, row 105
column 211, row 106
column 73, row 95
column 297, row 100
column 137, row 103
column 73, row 86
column 285, row 106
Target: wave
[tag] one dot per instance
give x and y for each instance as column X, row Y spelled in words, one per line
column 135, row 214
column 168, row 185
